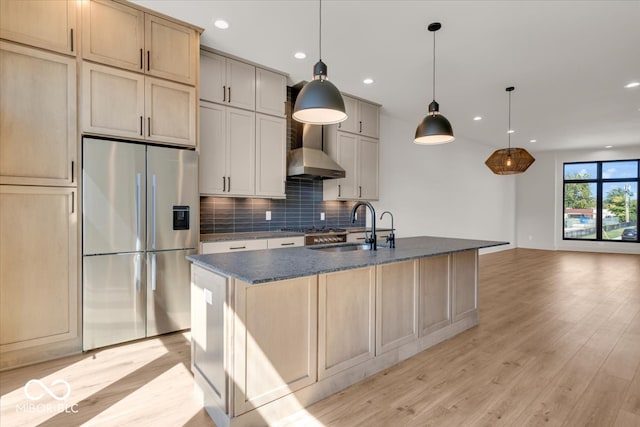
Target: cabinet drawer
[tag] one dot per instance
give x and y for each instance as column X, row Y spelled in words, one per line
column 285, row 242
column 233, row 246
column 381, row 236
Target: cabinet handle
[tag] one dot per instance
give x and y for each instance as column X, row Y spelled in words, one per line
column 360, row 126
column 360, row 192
column 229, row 93
column 148, row 61
column 141, row 59
column 224, row 184
column 224, row 93
column 72, row 171
column 229, row 184
column 287, row 244
column 149, row 126
column 73, row 202
column 361, row 238
column 340, row 125
column 71, row 33
column 141, row 125
column 339, row 190
column 237, row 247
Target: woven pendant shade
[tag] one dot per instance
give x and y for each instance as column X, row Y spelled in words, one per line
column 509, row 161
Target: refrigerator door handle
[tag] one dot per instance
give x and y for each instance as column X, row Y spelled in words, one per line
column 153, row 272
column 138, row 277
column 138, row 212
column 153, row 212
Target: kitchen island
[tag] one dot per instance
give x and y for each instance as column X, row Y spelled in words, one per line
column 275, row 330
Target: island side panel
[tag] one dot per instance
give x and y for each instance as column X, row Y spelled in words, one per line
column 465, row 285
column 435, row 293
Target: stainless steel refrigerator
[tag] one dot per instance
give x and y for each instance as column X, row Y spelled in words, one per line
column 140, row 213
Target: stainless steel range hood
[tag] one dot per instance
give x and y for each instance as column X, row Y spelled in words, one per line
column 309, row 161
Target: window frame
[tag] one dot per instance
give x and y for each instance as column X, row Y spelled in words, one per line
column 599, row 181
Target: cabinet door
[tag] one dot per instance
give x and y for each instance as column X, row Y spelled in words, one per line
column 347, row 157
column 368, row 115
column 213, row 149
column 346, row 319
column 352, row 122
column 46, row 24
column 465, row 290
column 276, row 331
column 213, row 77
column 172, row 50
column 368, row 168
column 241, row 84
column 112, row 101
column 38, row 139
column 234, row 246
column 270, row 156
column 38, row 266
column 113, row 34
column 271, row 92
column 171, row 112
column 396, row 305
column 435, row 296
column 241, row 145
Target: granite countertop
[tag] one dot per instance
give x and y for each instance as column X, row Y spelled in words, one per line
column 269, row 265
column 225, row 237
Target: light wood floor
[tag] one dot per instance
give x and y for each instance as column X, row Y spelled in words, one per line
column 558, row 345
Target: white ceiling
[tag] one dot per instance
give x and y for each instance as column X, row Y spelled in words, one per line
column 568, row 60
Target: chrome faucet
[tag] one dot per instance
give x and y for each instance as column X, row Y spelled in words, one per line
column 372, row 240
column 391, row 238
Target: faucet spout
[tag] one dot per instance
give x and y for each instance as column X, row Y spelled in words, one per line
column 372, row 240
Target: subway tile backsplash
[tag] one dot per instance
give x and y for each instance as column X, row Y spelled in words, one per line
column 301, row 208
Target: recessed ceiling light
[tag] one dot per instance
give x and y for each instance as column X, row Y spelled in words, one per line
column 511, row 131
column 221, row 23
column 608, row 146
column 533, row 140
column 300, row 55
column 632, row 84
column 477, row 118
column 367, row 81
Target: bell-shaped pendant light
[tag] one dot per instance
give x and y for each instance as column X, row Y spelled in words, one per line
column 434, row 128
column 509, row 161
column 319, row 102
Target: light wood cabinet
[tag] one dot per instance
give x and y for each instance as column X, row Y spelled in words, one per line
column 125, row 37
column 271, row 92
column 121, row 103
column 271, row 156
column 358, row 155
column 38, row 269
column 396, row 305
column 38, row 136
column 285, row 242
column 275, row 340
column 362, row 117
column 227, row 150
column 227, row 81
column 346, row 319
column 465, row 289
column 233, row 246
column 46, row 24
column 435, row 294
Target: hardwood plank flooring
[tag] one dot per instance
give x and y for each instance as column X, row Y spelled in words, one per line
column 558, row 345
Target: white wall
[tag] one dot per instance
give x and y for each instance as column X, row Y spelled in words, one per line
column 444, row 190
column 539, row 202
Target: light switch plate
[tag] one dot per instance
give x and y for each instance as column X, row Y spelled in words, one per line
column 321, row 216
column 208, row 296
column 267, row 215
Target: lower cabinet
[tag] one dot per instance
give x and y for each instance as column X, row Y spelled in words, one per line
column 346, row 319
column 435, row 294
column 39, row 296
column 275, row 340
column 465, row 289
column 250, row 244
column 396, row 305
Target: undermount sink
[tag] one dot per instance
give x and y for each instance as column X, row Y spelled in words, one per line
column 346, row 248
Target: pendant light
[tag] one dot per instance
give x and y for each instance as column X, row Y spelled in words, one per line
column 319, row 102
column 509, row 161
column 434, row 128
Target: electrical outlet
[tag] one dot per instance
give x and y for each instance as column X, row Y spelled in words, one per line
column 321, row 216
column 267, row 215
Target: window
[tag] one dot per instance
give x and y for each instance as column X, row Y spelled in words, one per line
column 601, row 200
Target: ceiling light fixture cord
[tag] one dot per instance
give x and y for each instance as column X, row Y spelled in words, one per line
column 509, row 129
column 434, row 66
column 320, row 33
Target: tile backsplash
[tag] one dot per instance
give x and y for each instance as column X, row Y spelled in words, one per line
column 301, row 208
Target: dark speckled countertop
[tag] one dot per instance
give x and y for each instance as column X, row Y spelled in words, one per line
column 270, row 265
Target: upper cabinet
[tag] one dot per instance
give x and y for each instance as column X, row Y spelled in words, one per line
column 122, row 36
column 227, row 81
column 271, row 92
column 363, row 117
column 46, row 24
column 37, row 117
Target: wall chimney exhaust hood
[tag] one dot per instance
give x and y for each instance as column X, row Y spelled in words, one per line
column 307, row 160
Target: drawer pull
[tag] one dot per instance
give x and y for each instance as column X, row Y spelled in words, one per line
column 287, row 244
column 237, row 247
